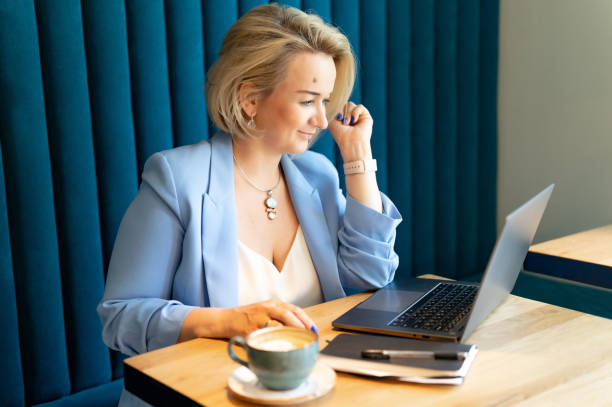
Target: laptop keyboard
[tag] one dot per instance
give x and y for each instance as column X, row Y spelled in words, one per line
column 440, row 310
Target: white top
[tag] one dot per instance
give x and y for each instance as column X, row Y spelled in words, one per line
column 259, row 280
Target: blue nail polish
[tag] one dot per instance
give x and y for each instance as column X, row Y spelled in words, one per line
column 339, row 116
column 345, row 121
column 352, row 120
column 314, row 329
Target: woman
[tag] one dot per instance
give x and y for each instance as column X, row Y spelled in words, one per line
column 240, row 232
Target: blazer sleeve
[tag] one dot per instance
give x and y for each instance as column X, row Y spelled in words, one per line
column 366, row 258
column 137, row 312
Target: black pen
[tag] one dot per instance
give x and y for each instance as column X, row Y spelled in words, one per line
column 411, row 354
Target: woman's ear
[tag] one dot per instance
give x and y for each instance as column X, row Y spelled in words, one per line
column 248, row 99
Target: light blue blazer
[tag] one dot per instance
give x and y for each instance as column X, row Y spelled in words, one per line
column 177, row 245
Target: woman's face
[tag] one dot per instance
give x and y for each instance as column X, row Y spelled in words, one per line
column 290, row 116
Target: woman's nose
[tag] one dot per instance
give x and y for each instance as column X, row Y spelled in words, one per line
column 319, row 119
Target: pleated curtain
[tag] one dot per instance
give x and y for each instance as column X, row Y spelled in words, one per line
column 90, row 89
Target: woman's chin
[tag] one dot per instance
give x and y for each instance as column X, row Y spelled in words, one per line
column 298, row 148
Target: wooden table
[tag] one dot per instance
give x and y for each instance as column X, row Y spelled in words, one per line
column 531, row 354
column 585, row 257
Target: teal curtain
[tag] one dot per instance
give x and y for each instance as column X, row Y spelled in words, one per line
column 90, row 89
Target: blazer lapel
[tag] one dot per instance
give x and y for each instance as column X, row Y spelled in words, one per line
column 309, row 211
column 219, row 228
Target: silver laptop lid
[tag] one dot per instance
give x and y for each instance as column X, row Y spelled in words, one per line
column 507, row 258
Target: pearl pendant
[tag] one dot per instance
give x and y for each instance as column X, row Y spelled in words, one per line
column 270, row 206
column 271, row 203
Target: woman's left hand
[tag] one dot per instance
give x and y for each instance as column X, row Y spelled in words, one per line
column 352, row 129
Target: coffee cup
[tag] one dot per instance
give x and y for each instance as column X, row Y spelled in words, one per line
column 281, row 357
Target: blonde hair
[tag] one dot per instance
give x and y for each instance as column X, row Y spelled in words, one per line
column 257, row 49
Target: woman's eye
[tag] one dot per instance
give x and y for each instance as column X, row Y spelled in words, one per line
column 307, row 102
column 325, row 101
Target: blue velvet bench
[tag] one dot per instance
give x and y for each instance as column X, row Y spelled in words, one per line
column 85, row 97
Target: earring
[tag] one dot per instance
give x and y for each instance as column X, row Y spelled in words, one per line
column 251, row 122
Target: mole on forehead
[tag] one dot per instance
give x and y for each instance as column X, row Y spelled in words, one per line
column 314, row 80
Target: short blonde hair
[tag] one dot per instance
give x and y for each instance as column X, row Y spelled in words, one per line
column 257, row 49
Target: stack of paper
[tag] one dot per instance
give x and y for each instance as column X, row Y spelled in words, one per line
column 344, row 354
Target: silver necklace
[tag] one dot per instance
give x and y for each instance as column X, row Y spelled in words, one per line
column 270, row 202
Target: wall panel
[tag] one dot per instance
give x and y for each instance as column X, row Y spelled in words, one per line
column 62, row 53
column 446, row 101
column 11, row 387
column 422, row 134
column 185, row 43
column 146, row 28
column 31, row 209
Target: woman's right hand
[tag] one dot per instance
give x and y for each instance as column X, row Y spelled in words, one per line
column 244, row 319
column 205, row 322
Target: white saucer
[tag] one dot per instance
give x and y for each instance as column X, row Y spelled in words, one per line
column 244, row 384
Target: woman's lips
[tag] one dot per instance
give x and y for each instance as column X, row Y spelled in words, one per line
column 306, row 134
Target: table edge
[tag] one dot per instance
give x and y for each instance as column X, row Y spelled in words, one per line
column 570, row 269
column 139, row 383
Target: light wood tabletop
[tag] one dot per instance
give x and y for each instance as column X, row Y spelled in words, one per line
column 584, row 257
column 592, row 246
column 530, row 354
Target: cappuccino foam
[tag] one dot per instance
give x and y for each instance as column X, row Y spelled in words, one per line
column 280, row 340
column 278, row 345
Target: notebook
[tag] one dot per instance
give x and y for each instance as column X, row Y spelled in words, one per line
column 451, row 310
column 344, row 354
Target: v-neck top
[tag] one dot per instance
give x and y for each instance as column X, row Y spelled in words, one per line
column 296, row 283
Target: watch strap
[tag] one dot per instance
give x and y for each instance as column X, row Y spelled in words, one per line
column 360, row 166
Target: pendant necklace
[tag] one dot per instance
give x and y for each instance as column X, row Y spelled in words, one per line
column 270, row 202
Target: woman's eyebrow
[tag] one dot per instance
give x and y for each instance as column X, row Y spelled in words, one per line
column 310, row 92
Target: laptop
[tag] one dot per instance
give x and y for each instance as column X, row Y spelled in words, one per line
column 451, row 310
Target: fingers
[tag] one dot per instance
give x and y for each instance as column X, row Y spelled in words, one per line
column 273, row 323
column 348, row 107
column 271, row 313
column 301, row 315
column 346, row 116
column 290, row 315
column 352, row 114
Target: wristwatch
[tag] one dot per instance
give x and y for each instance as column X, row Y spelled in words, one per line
column 360, row 166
